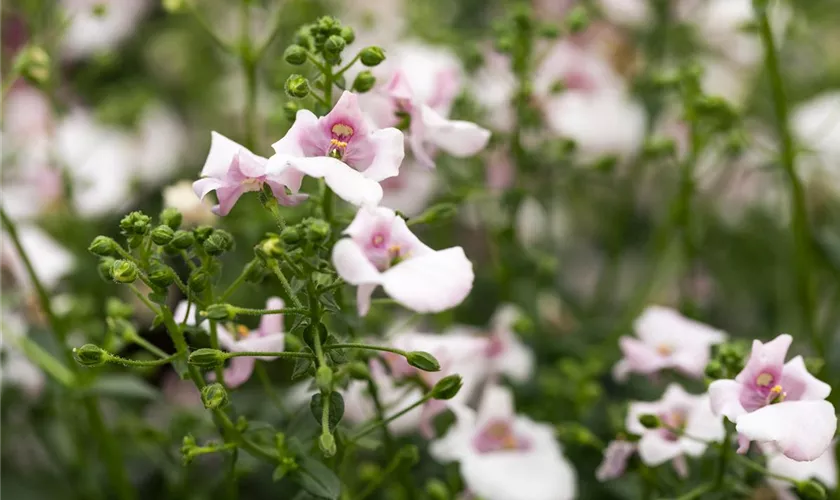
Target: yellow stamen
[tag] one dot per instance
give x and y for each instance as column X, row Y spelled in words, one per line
column 243, row 330
column 378, row 239
column 764, row 379
column 664, row 350
column 338, row 144
column 342, row 130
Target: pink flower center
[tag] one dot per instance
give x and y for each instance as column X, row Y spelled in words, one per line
column 498, row 435
column 341, row 135
column 674, row 423
column 495, row 347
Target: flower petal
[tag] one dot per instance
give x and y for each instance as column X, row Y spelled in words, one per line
column 798, row 384
column 292, row 143
column 221, row 154
column 496, row 404
column 349, row 184
column 769, row 357
column 802, row 430
column 457, row 137
column 655, row 450
column 430, row 283
column 615, row 460
column 239, row 371
column 390, row 151
column 268, row 343
column 352, row 265
column 725, row 399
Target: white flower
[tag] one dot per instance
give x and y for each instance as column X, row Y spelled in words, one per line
column 99, row 25
column 50, row 260
column 824, row 469
column 16, row 368
column 181, row 197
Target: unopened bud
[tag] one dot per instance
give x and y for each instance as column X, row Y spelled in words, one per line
column 290, row 109
column 358, row 370
column 161, row 275
column 409, row 454
column 182, row 240
column 578, row 19
column 220, row 312
column 811, row 490
column 650, row 421
column 135, row 223
column 33, row 63
column 271, row 247
column 124, row 271
column 90, row 355
column 255, row 271
column 115, row 308
column 207, row 358
column 214, row 396
column 348, row 34
column 104, row 268
column 372, row 56
column 423, row 361
column 199, row 280
column 171, row 217
column 218, row 243
column 324, row 378
column 327, row 444
column 364, row 81
column 174, row 6
column 103, row 246
column 297, row 86
column 201, row 233
column 317, row 230
column 290, row 235
column 447, row 387
column 437, row 213
column 334, row 45
column 162, row 234
column 657, row 147
column 295, row 55
column 714, row 370
column 437, row 490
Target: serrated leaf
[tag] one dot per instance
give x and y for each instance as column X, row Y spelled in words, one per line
column 302, row 367
column 336, row 408
column 338, row 356
column 317, row 479
column 299, row 324
column 329, row 303
column 123, row 386
column 297, row 285
column 157, row 321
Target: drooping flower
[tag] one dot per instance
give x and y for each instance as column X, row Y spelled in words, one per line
column 505, row 456
column 616, row 455
column 381, row 250
column 666, row 339
column 344, row 148
column 232, row 170
column 824, row 469
column 420, row 83
column 777, row 403
column 687, row 422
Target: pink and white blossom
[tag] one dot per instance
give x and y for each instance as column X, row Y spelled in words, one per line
column 231, row 170
column 666, row 340
column 411, row 190
column 777, row 403
column 96, row 26
column 344, row 148
column 504, row 351
column 823, row 469
column 181, row 197
column 688, row 425
column 505, row 456
column 381, row 250
column 615, row 460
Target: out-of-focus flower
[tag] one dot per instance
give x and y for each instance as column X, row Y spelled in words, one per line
column 616, row 455
column 344, row 148
column 16, row 368
column 777, row 403
column 816, row 124
column 410, row 191
column 824, row 469
column 375, row 22
column 161, row 141
column 181, row 197
column 99, row 25
column 232, row 170
column 666, row 339
column 381, row 250
column 420, row 83
column 686, row 421
column 504, row 456
column 505, row 352
column 493, row 86
column 50, row 260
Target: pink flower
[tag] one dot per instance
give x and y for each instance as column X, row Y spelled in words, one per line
column 666, row 340
column 232, row 170
column 616, row 455
column 505, row 352
column 824, row 469
column 421, row 83
column 505, row 456
column 380, row 250
column 679, row 411
column 344, row 148
column 771, row 401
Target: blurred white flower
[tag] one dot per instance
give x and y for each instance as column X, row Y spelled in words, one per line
column 816, row 125
column 823, row 469
column 16, row 369
column 161, row 142
column 410, row 191
column 50, row 260
column 181, row 197
column 99, row 25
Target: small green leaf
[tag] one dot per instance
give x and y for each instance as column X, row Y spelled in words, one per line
column 317, row 479
column 329, row 303
column 338, row 356
column 336, row 408
column 302, row 367
column 158, row 298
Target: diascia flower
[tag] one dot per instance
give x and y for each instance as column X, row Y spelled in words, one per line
column 777, row 403
column 344, row 148
column 381, row 250
column 679, row 412
column 232, row 170
column 505, row 456
column 666, row 339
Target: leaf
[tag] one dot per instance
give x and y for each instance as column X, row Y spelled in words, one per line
column 336, row 408
column 317, row 479
column 329, row 303
column 302, row 367
column 338, row 356
column 157, row 298
column 123, row 386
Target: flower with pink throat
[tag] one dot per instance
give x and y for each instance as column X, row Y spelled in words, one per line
column 505, row 456
column 421, row 83
column 687, row 425
column 381, row 250
column 231, row 170
column 666, row 339
column 777, row 403
column 344, row 148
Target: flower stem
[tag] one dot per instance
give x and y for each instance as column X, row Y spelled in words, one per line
column 803, row 251
column 385, row 421
column 368, row 347
column 275, row 268
column 279, row 354
column 249, row 69
column 262, row 312
column 113, row 358
column 725, row 450
column 214, row 343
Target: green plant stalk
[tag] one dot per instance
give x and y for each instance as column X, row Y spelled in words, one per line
column 385, row 421
column 235, row 285
column 113, row 458
column 368, row 347
column 113, row 358
column 249, row 69
column 802, row 238
column 725, row 450
column 214, row 343
column 279, row 354
column 275, row 268
column 262, row 312
column 380, row 478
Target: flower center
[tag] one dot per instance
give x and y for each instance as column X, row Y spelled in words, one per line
column 664, row 350
column 776, row 395
column 341, row 135
column 675, row 422
column 498, row 435
column 242, row 331
column 378, row 240
column 764, row 380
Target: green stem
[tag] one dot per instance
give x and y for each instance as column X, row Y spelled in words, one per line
column 368, row 347
column 113, row 358
column 145, row 344
column 45, row 361
column 349, row 65
column 279, row 354
column 385, row 421
column 696, row 492
column 763, row 470
column 145, row 300
column 803, row 252
column 725, row 450
column 207, row 29
column 214, row 343
column 111, row 451
column 236, row 283
column 262, row 312
column 275, row 268
column 380, row 478
column 249, row 69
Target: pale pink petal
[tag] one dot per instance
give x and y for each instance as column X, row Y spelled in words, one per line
column 203, row 187
column 306, row 123
column 692, row 362
column 725, row 399
column 255, row 343
column 765, row 358
column 238, row 372
column 352, row 265
column 615, row 460
column 431, row 283
column 349, row 184
column 655, row 450
column 363, row 294
column 641, row 357
column 798, row 384
column 284, row 198
column 496, row 404
column 227, row 196
column 226, row 340
column 390, row 151
column 457, row 137
column 221, row 154
column 823, row 468
column 272, row 323
column 680, row 465
column 621, row 371
column 802, row 430
column 415, row 141
column 702, row 422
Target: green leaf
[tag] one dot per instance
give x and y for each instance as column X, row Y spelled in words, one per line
column 123, row 386
column 317, row 479
column 302, row 367
column 336, row 408
column 158, row 298
column 338, row 356
column 329, row 303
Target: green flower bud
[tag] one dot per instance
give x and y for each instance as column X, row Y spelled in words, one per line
column 295, row 55
column 334, row 45
column 214, row 396
column 358, row 370
column 423, row 361
column 369, row 471
column 103, row 246
column 327, row 444
column 171, row 217
column 437, row 490
column 220, row 312
column 304, row 38
column 714, row 370
column 372, row 56
column 290, row 235
column 578, row 19
column 90, row 355
column 201, row 233
column 255, row 271
column 115, row 308
column 811, row 490
column 447, row 387
column 162, row 234
column 348, row 34
column 409, row 454
column 364, row 81
column 33, row 63
column 657, row 147
column 290, row 109
column 650, row 421
column 104, row 268
column 199, row 280
column 124, row 271
column 135, row 223
column 207, row 358
column 297, row 86
column 549, row 31
column 437, row 213
column 317, row 230
column 324, row 378
column 182, row 240
column 271, row 247
column 161, row 275
column 218, row 243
